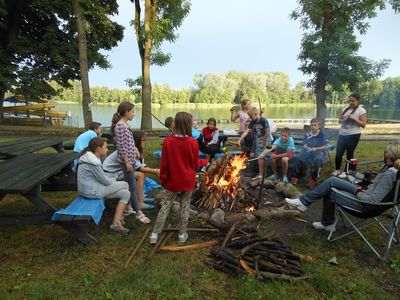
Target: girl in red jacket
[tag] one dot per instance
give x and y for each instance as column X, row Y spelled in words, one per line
column 180, row 154
column 211, row 139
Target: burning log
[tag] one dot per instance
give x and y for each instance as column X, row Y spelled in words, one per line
column 221, row 186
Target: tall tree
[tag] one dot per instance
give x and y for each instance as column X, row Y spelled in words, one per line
column 83, row 63
column 161, row 20
column 329, row 46
column 38, row 43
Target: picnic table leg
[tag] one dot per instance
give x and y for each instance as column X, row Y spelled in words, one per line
column 59, row 148
column 74, row 229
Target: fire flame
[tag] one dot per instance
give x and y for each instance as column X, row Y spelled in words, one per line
column 227, row 184
column 250, row 209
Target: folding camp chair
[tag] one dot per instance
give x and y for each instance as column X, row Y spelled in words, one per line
column 371, row 214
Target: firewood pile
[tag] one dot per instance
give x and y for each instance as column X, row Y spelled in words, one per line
column 262, row 257
column 221, row 186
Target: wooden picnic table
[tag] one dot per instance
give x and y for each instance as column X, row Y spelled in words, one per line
column 9, row 149
column 23, row 175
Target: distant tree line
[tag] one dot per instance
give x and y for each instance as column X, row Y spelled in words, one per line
column 231, row 87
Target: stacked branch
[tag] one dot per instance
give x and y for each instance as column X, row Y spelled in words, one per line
column 262, row 257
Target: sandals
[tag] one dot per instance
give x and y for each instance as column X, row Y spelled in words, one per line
column 143, row 219
column 119, row 228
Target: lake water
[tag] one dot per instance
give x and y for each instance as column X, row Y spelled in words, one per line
column 103, row 114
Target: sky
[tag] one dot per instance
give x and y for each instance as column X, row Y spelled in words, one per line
column 219, row 36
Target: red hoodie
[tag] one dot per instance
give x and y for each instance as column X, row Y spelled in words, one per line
column 179, row 160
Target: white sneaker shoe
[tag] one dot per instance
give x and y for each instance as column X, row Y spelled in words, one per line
column 153, row 238
column 296, row 203
column 342, row 175
column 336, row 173
column 319, row 226
column 257, row 177
column 182, row 237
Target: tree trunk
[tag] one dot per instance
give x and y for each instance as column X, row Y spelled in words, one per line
column 149, row 17
column 320, row 94
column 2, row 95
column 83, row 64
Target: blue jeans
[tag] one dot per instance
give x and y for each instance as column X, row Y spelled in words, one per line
column 324, row 191
column 130, row 178
column 346, row 143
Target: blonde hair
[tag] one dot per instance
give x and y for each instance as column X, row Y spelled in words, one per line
column 253, row 110
column 397, row 164
column 392, row 152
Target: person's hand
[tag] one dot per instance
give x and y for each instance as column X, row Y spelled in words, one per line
column 251, row 155
column 129, row 168
column 305, row 146
column 157, row 172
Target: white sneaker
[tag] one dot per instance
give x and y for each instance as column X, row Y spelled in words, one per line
column 336, row 173
column 182, row 237
column 257, row 177
column 342, row 175
column 319, row 226
column 153, row 238
column 297, row 203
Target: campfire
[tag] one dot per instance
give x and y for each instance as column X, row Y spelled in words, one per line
column 222, row 187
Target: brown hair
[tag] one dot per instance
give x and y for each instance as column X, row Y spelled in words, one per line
column 244, row 101
column 137, row 137
column 122, row 109
column 93, row 145
column 286, row 130
column 212, row 120
column 94, row 125
column 183, row 123
column 315, row 120
column 168, row 122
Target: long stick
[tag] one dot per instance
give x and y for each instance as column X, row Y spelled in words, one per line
column 228, row 236
column 147, row 110
column 137, row 247
column 261, row 186
column 189, row 247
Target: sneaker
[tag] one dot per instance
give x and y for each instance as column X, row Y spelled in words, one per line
column 182, row 237
column 257, row 177
column 149, row 200
column 336, row 173
column 272, row 177
column 285, row 180
column 147, row 206
column 119, row 228
column 153, row 238
column 342, row 175
column 296, row 203
column 319, row 226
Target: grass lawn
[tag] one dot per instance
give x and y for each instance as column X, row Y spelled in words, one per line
column 43, row 262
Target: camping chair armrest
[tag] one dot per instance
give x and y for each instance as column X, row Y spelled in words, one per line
column 353, row 197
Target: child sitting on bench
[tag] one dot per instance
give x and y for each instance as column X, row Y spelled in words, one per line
column 283, row 148
column 315, row 144
column 94, row 184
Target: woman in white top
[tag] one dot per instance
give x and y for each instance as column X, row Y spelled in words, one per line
column 353, row 118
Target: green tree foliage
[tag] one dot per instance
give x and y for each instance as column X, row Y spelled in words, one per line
column 38, row 43
column 329, row 46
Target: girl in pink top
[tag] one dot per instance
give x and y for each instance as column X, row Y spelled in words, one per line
column 127, row 152
column 241, row 115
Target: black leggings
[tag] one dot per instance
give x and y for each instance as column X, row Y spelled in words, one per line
column 346, row 143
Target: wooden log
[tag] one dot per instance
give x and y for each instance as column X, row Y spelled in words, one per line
column 303, row 257
column 228, row 235
column 137, row 247
column 189, row 247
column 246, row 267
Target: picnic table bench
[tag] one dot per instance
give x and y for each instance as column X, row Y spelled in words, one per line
column 12, row 148
column 23, row 175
